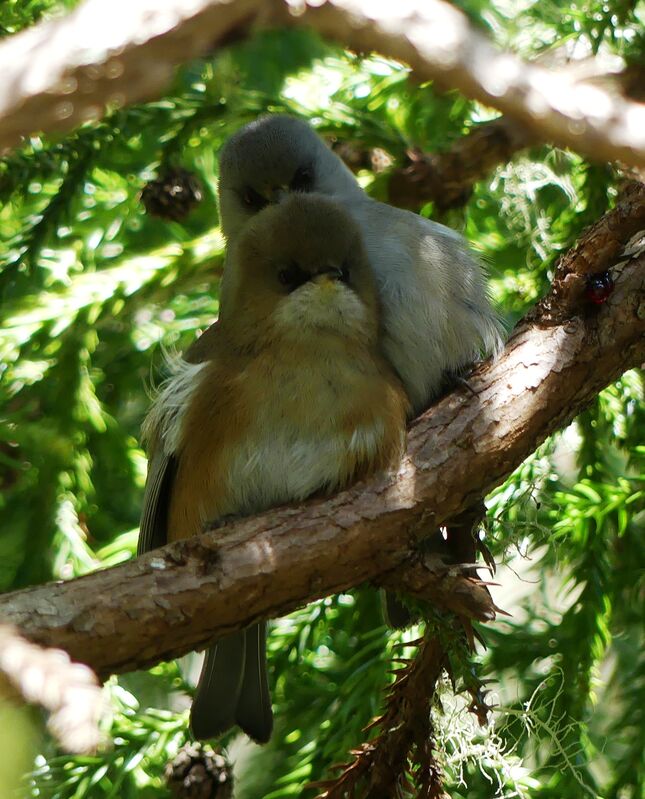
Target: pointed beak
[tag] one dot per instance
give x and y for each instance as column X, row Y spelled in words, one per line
column 328, row 278
column 331, row 273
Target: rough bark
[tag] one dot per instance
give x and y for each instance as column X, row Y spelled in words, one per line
column 62, row 73
column 598, row 248
column 178, row 598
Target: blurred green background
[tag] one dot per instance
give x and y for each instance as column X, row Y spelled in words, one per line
column 94, row 292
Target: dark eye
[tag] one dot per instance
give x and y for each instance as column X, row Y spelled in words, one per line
column 253, row 199
column 344, row 272
column 292, row 277
column 303, row 179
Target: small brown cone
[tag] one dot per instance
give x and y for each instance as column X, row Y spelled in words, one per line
column 172, row 195
column 197, row 772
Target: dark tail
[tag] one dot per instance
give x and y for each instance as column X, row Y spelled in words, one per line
column 254, row 707
column 233, row 687
column 395, row 611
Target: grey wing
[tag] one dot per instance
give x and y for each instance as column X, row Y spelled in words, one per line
column 464, row 282
column 156, row 498
column 437, row 315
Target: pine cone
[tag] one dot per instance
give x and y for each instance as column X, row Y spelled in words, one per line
column 197, row 772
column 172, row 195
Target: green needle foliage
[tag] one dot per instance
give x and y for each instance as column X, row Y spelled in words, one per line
column 94, row 292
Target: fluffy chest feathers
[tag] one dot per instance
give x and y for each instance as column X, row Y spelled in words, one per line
column 281, row 427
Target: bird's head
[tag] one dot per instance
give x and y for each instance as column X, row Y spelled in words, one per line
column 270, row 158
column 300, row 269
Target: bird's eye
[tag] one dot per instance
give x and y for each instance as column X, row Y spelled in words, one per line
column 253, row 199
column 344, row 272
column 303, row 179
column 292, row 276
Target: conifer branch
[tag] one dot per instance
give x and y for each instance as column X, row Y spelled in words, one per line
column 399, row 761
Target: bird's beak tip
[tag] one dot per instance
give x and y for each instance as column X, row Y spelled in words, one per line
column 329, row 277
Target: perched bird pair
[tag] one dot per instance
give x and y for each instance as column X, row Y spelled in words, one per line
column 289, row 393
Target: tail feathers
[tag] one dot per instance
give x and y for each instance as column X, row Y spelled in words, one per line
column 233, row 688
column 219, row 686
column 254, row 713
column 395, row 611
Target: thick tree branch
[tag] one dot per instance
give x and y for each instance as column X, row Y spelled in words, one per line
column 446, row 178
column 62, row 73
column 180, row 597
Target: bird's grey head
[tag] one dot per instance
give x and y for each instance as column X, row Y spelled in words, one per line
column 270, row 157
